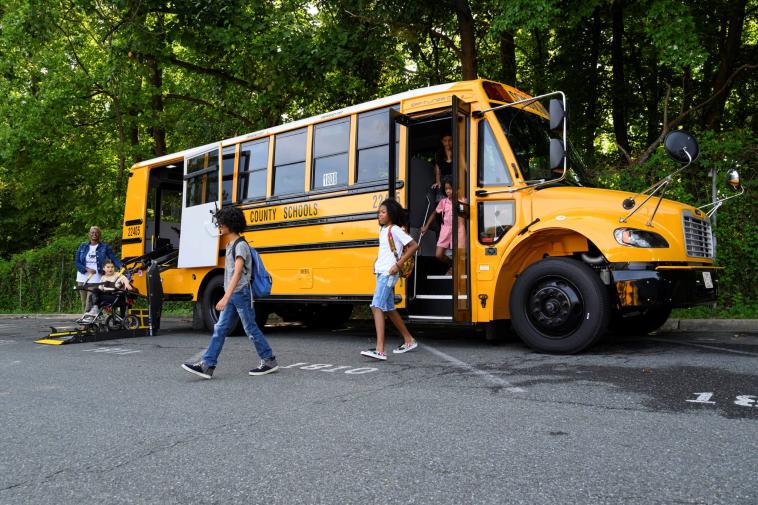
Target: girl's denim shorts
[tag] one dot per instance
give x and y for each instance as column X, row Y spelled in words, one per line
column 384, row 294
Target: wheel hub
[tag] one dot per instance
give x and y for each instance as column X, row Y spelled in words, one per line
column 555, row 307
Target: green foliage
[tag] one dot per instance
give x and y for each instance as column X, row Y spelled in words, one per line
column 89, row 88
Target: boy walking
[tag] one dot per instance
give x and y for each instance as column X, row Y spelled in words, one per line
column 236, row 302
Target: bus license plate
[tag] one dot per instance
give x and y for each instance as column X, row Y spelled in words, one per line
column 707, row 280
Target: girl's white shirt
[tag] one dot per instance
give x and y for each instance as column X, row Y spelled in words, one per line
column 386, row 258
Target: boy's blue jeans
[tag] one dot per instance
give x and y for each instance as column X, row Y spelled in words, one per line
column 239, row 307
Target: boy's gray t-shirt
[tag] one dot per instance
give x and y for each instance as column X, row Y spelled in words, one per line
column 243, row 250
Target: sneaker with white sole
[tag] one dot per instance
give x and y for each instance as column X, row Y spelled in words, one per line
column 267, row 366
column 405, row 347
column 200, row 369
column 373, row 353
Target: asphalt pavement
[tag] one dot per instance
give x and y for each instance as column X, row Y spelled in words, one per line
column 657, row 419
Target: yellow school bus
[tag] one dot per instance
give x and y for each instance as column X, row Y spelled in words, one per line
column 532, row 245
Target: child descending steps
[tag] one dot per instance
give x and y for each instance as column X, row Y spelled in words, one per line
column 391, row 217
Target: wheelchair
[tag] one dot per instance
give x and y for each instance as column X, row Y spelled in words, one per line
column 113, row 313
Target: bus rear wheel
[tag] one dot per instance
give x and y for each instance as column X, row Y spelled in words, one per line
column 213, row 292
column 559, row 305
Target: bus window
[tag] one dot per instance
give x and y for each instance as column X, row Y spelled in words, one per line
column 373, row 142
column 495, row 219
column 331, row 143
column 529, row 137
column 252, row 170
column 227, row 169
column 289, row 162
column 492, row 169
column 202, row 178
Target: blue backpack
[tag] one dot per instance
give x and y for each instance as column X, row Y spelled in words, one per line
column 260, row 280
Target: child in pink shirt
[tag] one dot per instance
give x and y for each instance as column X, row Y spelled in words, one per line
column 445, row 209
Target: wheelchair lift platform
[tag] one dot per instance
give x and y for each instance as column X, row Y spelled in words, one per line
column 61, row 335
column 78, row 335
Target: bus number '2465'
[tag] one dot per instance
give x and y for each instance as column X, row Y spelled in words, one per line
column 378, row 199
column 133, row 231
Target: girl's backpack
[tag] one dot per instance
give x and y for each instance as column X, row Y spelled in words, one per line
column 260, row 280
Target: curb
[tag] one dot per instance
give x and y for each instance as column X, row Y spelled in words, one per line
column 710, row 325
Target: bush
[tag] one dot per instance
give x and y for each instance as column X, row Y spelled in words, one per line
column 42, row 279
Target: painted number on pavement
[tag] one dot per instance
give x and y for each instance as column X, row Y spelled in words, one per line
column 741, row 400
column 329, row 368
column 113, row 350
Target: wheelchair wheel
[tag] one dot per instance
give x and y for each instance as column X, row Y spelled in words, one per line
column 113, row 323
column 131, row 322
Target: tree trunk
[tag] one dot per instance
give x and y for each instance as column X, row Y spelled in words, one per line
column 618, row 86
column 728, row 53
column 156, row 105
column 592, row 80
column 468, row 39
column 507, row 58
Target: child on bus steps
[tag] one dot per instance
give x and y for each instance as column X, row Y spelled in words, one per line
column 237, row 302
column 391, row 217
column 444, row 209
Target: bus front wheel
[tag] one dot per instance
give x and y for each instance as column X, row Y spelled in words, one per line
column 559, row 305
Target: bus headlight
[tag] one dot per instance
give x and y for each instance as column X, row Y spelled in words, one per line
column 639, row 238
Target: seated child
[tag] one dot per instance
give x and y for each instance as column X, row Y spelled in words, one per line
column 105, row 292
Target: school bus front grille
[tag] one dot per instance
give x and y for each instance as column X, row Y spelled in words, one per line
column 697, row 237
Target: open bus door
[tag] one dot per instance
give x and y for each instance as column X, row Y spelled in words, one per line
column 461, row 260
column 199, row 239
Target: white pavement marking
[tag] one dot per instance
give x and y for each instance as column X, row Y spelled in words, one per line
column 488, row 377
column 3, row 342
column 735, row 351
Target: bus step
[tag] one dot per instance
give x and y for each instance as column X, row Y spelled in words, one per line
column 418, row 317
column 431, row 305
column 435, row 285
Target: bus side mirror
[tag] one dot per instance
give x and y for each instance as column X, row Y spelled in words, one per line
column 733, row 180
column 557, row 114
column 681, row 146
column 557, row 154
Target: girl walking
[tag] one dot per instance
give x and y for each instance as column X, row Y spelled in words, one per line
column 391, row 217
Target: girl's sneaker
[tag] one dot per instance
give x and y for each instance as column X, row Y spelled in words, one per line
column 406, row 347
column 373, row 353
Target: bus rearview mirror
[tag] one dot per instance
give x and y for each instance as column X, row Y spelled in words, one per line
column 557, row 114
column 557, row 154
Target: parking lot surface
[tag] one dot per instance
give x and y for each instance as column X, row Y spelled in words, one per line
column 658, row 419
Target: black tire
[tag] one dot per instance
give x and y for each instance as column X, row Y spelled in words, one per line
column 112, row 323
column 559, row 305
column 212, row 293
column 647, row 320
column 131, row 322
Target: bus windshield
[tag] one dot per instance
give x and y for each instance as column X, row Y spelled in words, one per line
column 529, row 137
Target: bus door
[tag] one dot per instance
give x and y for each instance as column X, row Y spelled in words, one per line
column 164, row 208
column 199, row 239
column 461, row 258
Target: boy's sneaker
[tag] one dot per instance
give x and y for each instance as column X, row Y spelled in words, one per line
column 200, row 369
column 267, row 366
column 373, row 353
column 405, row 347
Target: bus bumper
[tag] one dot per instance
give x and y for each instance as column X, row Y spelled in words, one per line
column 674, row 287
